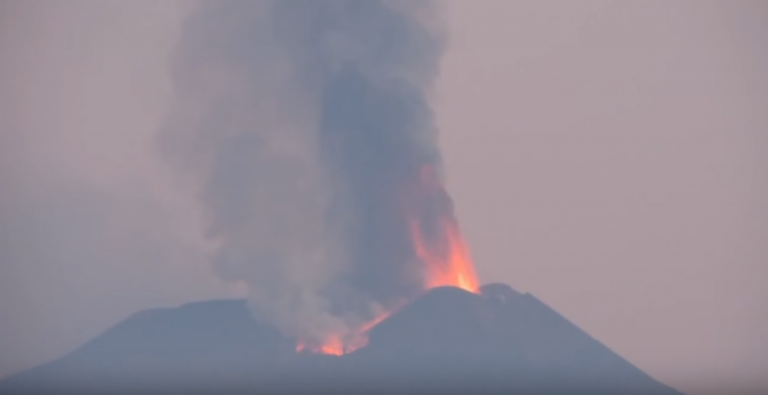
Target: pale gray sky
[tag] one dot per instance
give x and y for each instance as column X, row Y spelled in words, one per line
column 611, row 157
column 606, row 156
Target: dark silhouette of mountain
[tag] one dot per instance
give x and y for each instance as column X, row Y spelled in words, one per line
column 447, row 341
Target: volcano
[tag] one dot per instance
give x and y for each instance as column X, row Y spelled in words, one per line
column 447, row 341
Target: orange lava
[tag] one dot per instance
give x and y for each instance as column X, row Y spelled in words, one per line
column 441, row 251
column 332, row 346
column 447, row 261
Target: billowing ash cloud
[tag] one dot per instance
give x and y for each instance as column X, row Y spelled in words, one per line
column 301, row 122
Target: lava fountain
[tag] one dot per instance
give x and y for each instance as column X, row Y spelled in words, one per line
column 436, row 237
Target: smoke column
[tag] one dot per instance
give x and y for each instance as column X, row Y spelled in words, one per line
column 305, row 128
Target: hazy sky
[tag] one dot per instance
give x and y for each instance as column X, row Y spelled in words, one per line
column 607, row 157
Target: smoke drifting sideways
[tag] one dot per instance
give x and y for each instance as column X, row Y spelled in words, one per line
column 301, row 123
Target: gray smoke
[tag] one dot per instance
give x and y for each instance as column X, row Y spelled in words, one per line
column 299, row 122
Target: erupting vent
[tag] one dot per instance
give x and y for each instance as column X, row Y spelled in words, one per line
column 439, row 251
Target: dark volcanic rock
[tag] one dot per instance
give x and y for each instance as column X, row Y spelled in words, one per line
column 448, row 340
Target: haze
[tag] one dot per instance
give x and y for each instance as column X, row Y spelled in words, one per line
column 607, row 157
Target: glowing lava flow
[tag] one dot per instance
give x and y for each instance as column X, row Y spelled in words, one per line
column 438, row 247
column 334, row 345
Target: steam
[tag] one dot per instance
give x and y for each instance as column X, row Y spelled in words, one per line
column 299, row 123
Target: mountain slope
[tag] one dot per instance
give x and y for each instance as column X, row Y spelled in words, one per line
column 448, row 340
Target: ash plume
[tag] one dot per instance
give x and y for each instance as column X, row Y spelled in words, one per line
column 299, row 123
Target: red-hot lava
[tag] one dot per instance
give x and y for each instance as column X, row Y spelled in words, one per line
column 332, row 346
column 438, row 246
column 436, row 237
column 335, row 344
